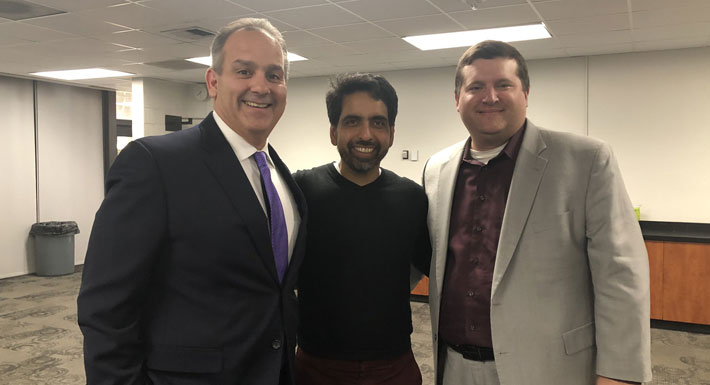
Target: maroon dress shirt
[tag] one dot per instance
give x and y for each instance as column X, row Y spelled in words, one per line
column 476, row 217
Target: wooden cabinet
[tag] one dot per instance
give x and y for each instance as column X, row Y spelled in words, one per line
column 680, row 281
column 655, row 263
column 422, row 288
column 686, row 282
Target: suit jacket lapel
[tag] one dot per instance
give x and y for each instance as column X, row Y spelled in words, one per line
column 225, row 167
column 445, row 193
column 527, row 175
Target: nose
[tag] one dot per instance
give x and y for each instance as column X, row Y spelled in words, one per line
column 258, row 84
column 490, row 95
column 365, row 133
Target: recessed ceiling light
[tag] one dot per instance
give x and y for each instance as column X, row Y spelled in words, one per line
column 295, row 57
column 88, row 73
column 207, row 60
column 204, row 60
column 469, row 38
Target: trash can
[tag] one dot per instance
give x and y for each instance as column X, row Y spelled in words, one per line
column 54, row 247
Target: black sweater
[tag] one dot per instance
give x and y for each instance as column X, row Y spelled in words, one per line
column 354, row 281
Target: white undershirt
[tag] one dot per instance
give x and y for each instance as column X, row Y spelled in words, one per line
column 487, row 155
column 244, row 151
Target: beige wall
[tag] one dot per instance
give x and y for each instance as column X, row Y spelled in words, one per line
column 651, row 107
column 70, row 137
column 70, row 159
column 17, row 168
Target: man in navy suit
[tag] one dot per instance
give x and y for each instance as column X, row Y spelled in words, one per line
column 185, row 279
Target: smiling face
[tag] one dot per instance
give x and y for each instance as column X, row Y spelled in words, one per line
column 250, row 93
column 491, row 101
column 363, row 136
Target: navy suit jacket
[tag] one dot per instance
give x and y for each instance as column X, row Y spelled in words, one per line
column 179, row 283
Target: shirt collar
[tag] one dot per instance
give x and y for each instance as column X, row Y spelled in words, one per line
column 241, row 147
column 511, row 149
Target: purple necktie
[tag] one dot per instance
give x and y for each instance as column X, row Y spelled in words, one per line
column 279, row 234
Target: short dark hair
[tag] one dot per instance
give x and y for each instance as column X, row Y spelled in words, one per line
column 345, row 84
column 249, row 24
column 492, row 49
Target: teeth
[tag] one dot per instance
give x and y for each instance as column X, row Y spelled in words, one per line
column 257, row 105
column 364, row 149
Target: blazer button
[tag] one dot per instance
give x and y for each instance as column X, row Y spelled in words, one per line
column 276, row 344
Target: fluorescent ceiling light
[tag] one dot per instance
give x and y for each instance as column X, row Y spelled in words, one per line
column 88, row 73
column 469, row 38
column 204, row 60
column 207, row 60
column 295, row 57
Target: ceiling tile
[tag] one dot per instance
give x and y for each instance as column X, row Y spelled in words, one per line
column 137, row 39
column 78, row 5
column 21, row 30
column 13, row 41
column 650, row 5
column 671, row 16
column 678, row 31
column 421, row 25
column 325, row 50
column 614, row 22
column 75, row 24
column 377, row 10
column 195, row 10
column 568, row 9
column 314, row 17
column 392, row 44
column 600, row 49
column 275, row 5
column 451, row 5
column 133, row 16
column 352, row 32
column 497, row 17
column 595, row 39
column 296, row 39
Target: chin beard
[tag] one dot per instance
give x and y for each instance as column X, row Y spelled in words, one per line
column 361, row 166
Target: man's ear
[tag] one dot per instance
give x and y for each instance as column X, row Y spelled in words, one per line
column 391, row 136
column 211, row 78
column 333, row 136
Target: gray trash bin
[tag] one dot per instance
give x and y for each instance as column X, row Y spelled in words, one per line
column 54, row 247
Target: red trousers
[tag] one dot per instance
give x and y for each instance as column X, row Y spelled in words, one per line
column 312, row 370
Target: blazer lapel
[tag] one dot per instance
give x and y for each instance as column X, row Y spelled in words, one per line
column 226, row 168
column 444, row 196
column 527, row 175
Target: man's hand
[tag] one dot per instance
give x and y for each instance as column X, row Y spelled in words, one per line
column 609, row 381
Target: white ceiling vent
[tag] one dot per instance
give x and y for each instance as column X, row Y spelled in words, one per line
column 23, row 10
column 189, row 33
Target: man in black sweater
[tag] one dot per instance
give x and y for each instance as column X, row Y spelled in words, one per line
column 367, row 227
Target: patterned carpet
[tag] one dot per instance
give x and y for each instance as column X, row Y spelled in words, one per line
column 40, row 343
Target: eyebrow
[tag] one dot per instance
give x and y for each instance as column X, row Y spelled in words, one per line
column 251, row 64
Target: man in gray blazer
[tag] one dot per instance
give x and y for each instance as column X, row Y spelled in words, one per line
column 539, row 273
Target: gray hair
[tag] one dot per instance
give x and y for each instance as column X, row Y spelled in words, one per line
column 251, row 24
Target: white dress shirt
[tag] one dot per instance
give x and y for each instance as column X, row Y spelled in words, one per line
column 244, row 152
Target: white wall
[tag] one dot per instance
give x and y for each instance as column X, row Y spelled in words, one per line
column 161, row 97
column 71, row 172
column 70, row 159
column 17, row 168
column 651, row 107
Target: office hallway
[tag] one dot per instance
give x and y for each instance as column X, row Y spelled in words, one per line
column 40, row 342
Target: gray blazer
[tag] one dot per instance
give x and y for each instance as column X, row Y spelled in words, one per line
column 570, row 291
